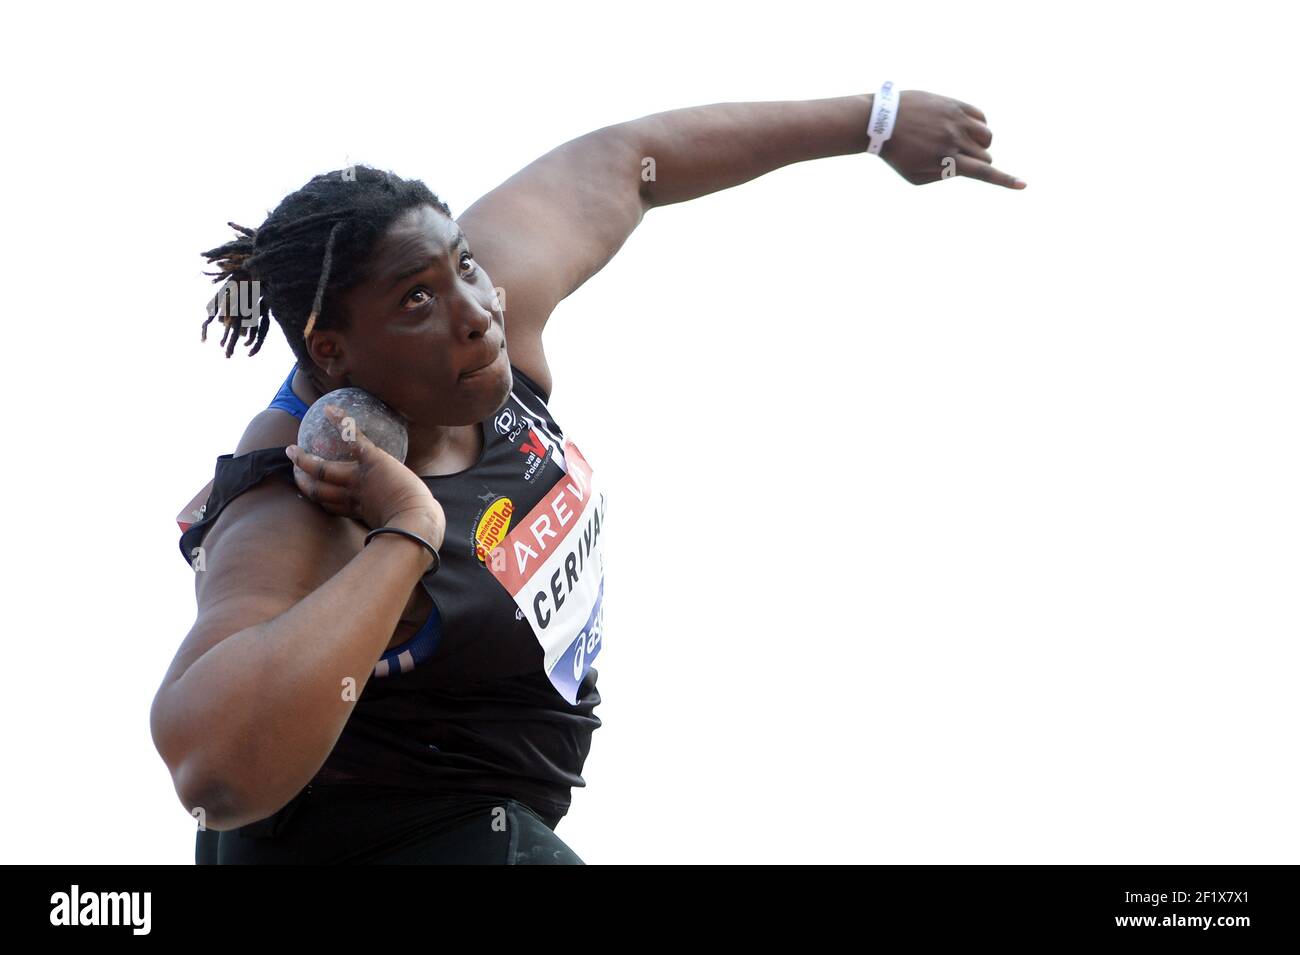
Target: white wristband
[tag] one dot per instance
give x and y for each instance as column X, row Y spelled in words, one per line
column 884, row 110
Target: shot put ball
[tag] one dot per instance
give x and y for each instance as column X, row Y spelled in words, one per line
column 378, row 422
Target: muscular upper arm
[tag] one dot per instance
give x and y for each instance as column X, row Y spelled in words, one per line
column 261, row 556
column 268, row 549
column 550, row 227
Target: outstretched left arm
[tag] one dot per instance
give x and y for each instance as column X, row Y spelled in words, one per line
column 554, row 224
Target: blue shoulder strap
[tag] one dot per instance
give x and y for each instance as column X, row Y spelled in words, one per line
column 286, row 400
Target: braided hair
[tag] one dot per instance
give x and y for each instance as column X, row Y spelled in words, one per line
column 317, row 240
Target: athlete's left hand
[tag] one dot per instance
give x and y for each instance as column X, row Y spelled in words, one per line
column 937, row 137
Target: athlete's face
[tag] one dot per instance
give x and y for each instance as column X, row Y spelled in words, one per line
column 426, row 317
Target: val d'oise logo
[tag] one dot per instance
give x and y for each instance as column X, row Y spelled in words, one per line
column 536, row 452
column 534, row 445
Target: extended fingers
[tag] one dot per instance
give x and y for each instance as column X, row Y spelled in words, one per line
column 977, row 169
column 977, row 163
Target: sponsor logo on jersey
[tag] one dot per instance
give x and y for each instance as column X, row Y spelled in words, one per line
column 492, row 528
column 505, row 423
column 550, row 562
column 537, row 453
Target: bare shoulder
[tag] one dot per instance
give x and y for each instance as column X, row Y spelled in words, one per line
column 269, row 428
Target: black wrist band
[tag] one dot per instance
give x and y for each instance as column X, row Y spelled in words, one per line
column 437, row 562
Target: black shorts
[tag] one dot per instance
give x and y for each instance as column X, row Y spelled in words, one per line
column 366, row 825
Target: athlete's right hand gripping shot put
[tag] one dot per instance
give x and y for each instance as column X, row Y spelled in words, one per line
column 351, row 476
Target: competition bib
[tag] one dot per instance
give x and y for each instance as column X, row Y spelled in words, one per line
column 550, row 563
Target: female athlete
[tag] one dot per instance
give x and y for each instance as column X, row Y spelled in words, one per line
column 428, row 695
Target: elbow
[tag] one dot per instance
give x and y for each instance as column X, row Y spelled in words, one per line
column 212, row 803
column 222, row 785
column 216, row 803
column 208, row 795
column 218, row 799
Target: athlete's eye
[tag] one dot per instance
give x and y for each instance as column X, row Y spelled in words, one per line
column 420, row 291
column 468, row 267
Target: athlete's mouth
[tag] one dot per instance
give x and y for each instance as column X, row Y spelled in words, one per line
column 475, row 371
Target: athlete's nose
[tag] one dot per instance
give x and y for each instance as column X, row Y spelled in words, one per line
column 474, row 320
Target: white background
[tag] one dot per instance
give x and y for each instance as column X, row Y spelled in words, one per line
column 945, row 523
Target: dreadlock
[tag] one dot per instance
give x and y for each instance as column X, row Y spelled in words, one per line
column 317, row 240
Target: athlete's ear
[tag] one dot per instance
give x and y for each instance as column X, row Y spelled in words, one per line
column 328, row 351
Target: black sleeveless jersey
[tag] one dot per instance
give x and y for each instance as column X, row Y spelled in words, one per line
column 495, row 694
